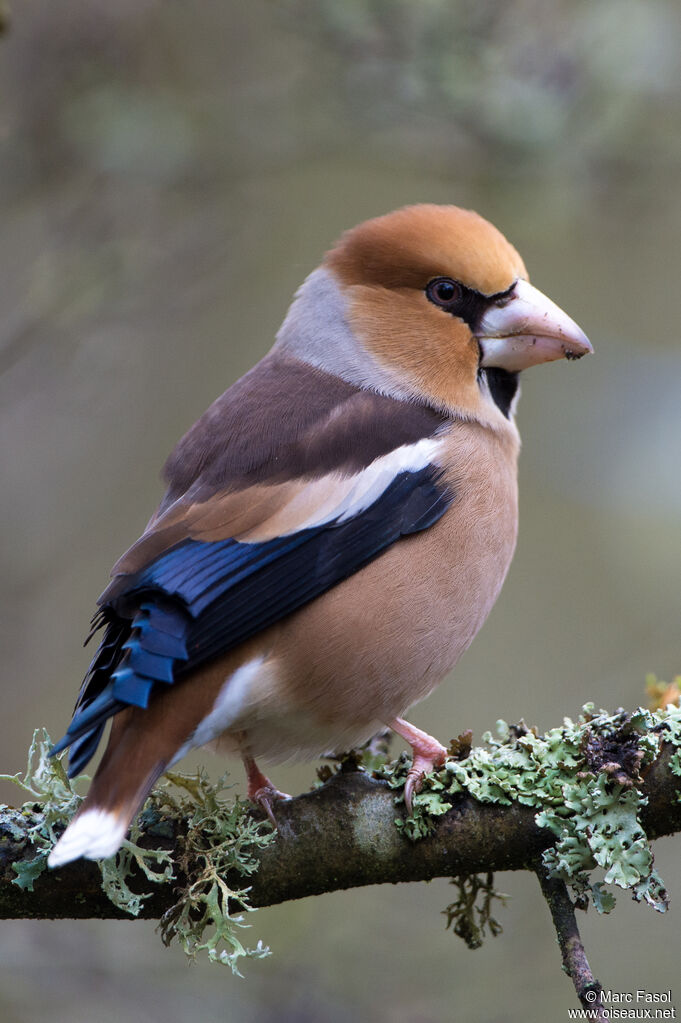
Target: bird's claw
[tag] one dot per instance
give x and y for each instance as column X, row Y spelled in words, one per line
column 265, row 796
column 411, row 787
column 421, row 765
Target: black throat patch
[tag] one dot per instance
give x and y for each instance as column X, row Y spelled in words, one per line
column 503, row 386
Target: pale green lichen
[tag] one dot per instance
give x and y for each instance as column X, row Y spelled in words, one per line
column 54, row 802
column 583, row 779
column 215, row 838
column 155, row 864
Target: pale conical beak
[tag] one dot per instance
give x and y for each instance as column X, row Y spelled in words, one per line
column 528, row 328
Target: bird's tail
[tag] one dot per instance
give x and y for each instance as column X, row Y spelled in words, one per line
column 125, row 775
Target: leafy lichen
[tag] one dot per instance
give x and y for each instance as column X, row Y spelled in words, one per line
column 54, row 802
column 215, row 839
column 583, row 779
column 131, row 860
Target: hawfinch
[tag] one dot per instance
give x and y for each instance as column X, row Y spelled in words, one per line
column 337, row 525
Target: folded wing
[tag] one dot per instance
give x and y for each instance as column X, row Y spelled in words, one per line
column 231, row 552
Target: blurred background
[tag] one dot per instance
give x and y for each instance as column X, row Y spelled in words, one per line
column 169, row 173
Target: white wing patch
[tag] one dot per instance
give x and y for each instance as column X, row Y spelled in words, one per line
column 377, row 477
column 336, row 497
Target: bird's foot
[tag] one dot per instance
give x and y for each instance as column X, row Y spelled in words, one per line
column 428, row 754
column 261, row 790
column 265, row 796
column 421, row 765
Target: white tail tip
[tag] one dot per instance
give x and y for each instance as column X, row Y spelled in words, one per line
column 95, row 834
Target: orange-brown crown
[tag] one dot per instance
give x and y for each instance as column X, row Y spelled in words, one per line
column 409, row 247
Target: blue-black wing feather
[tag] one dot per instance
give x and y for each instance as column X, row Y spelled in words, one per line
column 200, row 599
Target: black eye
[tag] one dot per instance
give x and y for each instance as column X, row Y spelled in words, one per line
column 443, row 291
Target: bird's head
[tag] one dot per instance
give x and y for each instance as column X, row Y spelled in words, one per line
column 431, row 303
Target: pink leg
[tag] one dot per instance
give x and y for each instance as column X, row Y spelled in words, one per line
column 260, row 788
column 428, row 753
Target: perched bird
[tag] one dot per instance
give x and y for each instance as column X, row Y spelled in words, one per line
column 337, row 525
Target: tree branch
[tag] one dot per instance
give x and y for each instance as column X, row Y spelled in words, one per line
column 575, row 963
column 600, row 788
column 340, row 836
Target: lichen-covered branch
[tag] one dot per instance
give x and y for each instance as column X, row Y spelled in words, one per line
column 342, row 835
column 583, row 798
